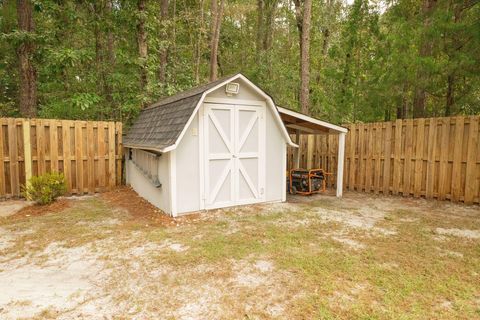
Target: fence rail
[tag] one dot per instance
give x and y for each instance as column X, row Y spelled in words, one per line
column 431, row 158
column 87, row 152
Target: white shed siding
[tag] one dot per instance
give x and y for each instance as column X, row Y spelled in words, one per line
column 275, row 146
column 159, row 197
column 188, row 170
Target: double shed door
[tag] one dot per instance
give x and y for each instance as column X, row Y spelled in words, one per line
column 234, row 142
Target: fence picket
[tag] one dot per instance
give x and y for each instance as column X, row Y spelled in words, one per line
column 417, row 176
column 118, row 152
column 361, row 166
column 378, row 165
column 351, row 153
column 3, row 179
column 13, row 157
column 432, row 147
column 407, row 167
column 457, row 158
column 397, row 174
column 40, row 132
column 387, row 158
column 442, row 178
column 53, row 145
column 90, row 158
column 67, row 163
column 111, row 154
column 101, row 155
column 471, row 174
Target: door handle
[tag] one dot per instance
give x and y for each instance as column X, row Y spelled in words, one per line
column 234, row 156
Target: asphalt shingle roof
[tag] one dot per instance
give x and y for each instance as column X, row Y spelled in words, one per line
column 160, row 125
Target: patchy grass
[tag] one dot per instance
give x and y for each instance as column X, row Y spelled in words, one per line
column 362, row 257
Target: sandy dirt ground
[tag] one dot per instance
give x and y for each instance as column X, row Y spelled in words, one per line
column 114, row 256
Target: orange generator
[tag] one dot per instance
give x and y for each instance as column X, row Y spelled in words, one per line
column 307, row 182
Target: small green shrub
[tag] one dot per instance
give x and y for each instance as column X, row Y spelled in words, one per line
column 46, row 188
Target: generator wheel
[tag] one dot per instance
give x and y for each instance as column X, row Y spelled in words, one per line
column 294, row 190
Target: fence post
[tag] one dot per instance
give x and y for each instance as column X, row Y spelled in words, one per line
column 296, row 151
column 341, row 156
column 27, row 152
column 310, row 150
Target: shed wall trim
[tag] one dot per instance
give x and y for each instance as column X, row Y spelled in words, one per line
column 173, row 183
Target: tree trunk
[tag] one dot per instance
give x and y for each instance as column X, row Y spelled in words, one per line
column 25, row 52
column 99, row 49
column 110, row 37
column 269, row 22
column 104, row 52
column 142, row 44
column 425, row 50
column 266, row 12
column 271, row 7
column 304, row 15
column 198, row 48
column 403, row 108
column 260, row 30
column 110, row 60
column 455, row 46
column 419, row 102
column 450, row 95
column 173, row 46
column 162, row 70
column 217, row 17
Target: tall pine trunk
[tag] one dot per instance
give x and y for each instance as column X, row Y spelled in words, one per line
column 110, row 54
column 260, row 31
column 25, row 52
column 304, row 17
column 162, row 70
column 450, row 95
column 419, row 97
column 142, row 43
column 402, row 110
column 217, row 17
column 266, row 12
column 199, row 44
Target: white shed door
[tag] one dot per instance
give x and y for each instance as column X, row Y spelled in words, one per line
column 234, row 150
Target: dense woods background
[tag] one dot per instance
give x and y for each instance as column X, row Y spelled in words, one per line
column 343, row 62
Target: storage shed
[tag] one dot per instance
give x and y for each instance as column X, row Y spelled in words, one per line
column 218, row 145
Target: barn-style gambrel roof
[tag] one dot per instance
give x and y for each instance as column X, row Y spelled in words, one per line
column 161, row 126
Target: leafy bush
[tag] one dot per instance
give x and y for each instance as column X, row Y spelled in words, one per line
column 46, row 188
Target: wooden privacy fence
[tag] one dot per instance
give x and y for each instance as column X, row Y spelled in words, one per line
column 432, row 158
column 87, row 152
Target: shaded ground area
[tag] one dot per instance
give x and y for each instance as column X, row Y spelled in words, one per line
column 10, row 207
column 115, row 256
